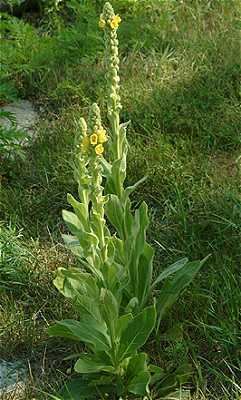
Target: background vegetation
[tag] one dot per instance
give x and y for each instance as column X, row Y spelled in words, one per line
column 181, row 89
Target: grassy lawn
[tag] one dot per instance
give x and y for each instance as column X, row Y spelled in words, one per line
column 181, row 90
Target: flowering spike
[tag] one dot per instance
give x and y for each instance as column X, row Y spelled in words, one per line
column 94, row 118
column 83, row 126
column 108, row 12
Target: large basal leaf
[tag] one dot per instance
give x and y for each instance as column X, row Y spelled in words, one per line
column 139, row 384
column 137, row 364
column 173, row 287
column 88, row 331
column 91, row 364
column 72, row 282
column 78, row 389
column 137, row 332
column 122, row 323
column 89, row 299
column 87, row 305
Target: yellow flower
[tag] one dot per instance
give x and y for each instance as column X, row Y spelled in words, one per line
column 99, row 149
column 102, row 23
column 115, row 21
column 85, row 143
column 94, row 139
column 102, row 137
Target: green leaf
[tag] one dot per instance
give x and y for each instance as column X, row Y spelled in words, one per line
column 119, row 250
column 122, row 323
column 132, row 305
column 172, row 288
column 72, row 243
column 115, row 278
column 141, row 224
column 129, row 221
column 72, row 221
column 156, row 373
column 106, row 168
column 137, row 332
column 139, row 384
column 72, row 282
column 137, row 364
column 170, row 270
column 86, row 239
column 91, row 364
column 81, row 210
column 86, row 305
column 109, row 310
column 119, row 172
column 115, row 214
column 145, row 274
column 140, row 259
column 172, row 380
column 78, row 389
column 115, row 175
column 88, row 331
column 131, row 189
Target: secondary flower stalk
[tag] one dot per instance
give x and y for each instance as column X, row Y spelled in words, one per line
column 97, row 138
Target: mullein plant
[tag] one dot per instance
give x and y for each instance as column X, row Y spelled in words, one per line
column 113, row 291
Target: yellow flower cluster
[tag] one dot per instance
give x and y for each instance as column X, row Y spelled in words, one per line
column 114, row 22
column 96, row 139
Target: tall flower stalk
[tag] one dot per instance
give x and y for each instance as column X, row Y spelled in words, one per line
column 109, row 22
column 113, row 288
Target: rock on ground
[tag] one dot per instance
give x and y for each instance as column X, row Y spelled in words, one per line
column 13, row 377
column 25, row 115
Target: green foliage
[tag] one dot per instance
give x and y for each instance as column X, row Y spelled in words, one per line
column 14, row 259
column 12, row 3
column 10, row 137
column 112, row 339
column 8, row 92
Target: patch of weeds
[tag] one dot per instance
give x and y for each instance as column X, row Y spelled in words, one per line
column 174, row 96
column 32, row 194
column 25, row 313
column 15, row 261
column 11, row 139
column 8, row 92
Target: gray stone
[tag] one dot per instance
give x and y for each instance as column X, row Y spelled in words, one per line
column 13, row 377
column 26, row 117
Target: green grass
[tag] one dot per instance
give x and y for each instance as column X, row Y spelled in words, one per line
column 181, row 91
